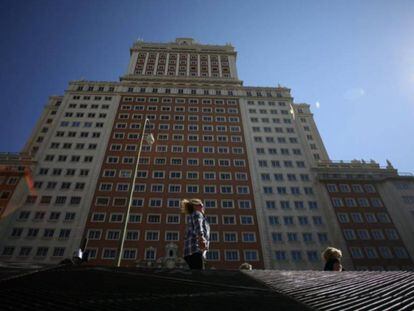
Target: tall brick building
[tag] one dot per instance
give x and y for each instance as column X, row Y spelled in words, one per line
column 250, row 153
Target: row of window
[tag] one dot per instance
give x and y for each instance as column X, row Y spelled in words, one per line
column 136, row 218
column 169, row 235
column 182, row 72
column 98, row 88
column 26, row 251
column 59, row 200
column 89, row 97
column 177, row 174
column 262, row 103
column 152, row 56
column 268, row 129
column 177, row 188
column 284, row 190
column 180, row 161
column 281, row 177
column 180, row 109
column 78, row 134
column 307, row 237
column 181, row 91
column 86, row 106
column 368, row 218
column 84, row 115
column 35, row 232
column 60, row 171
column 279, row 140
column 267, row 120
column 296, row 256
column 282, row 151
column 286, row 205
column 175, row 100
column 183, row 67
column 179, row 148
column 4, row 180
column 79, row 124
column 171, row 203
column 77, row 146
column 291, row 220
column 41, row 215
column 50, row 185
column 151, row 254
column 374, row 253
column 270, row 111
column 375, row 234
column 64, row 158
column 369, row 188
column 177, row 118
column 258, row 93
column 357, row 202
column 276, row 140
column 278, row 164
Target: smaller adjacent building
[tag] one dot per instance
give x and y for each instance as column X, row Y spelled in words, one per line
column 368, row 212
column 15, row 179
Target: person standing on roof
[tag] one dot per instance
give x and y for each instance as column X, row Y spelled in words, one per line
column 197, row 233
column 332, row 258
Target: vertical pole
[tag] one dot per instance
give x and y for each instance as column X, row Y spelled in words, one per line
column 131, row 194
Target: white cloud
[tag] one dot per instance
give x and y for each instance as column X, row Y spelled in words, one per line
column 354, row 94
column 318, row 104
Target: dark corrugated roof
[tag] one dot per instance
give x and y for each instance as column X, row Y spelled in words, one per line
column 104, row 288
column 349, row 290
column 95, row 288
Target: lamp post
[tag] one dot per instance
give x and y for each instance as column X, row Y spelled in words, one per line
column 150, row 140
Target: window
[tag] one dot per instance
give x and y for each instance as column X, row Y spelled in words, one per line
column 337, row 202
column 401, row 252
column 363, row 234
column 172, row 236
column 344, row 188
column 152, row 235
column 296, row 255
column 273, row 220
column 391, row 234
column 231, row 255
column 349, row 234
column 292, row 237
column 251, row 255
column 377, row 234
column 48, row 233
column 153, row 219
column 343, row 218
column 246, row 220
column 230, row 237
column 280, row 255
column 317, row 220
column 109, row 253
column 116, row 217
column 229, row 220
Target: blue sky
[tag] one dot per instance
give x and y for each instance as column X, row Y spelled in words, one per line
column 354, row 58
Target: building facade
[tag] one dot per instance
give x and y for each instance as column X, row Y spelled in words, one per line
column 250, row 153
column 369, row 217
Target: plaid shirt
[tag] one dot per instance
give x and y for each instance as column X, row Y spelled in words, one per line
column 197, row 226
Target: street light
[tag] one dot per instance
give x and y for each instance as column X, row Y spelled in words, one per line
column 149, row 138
